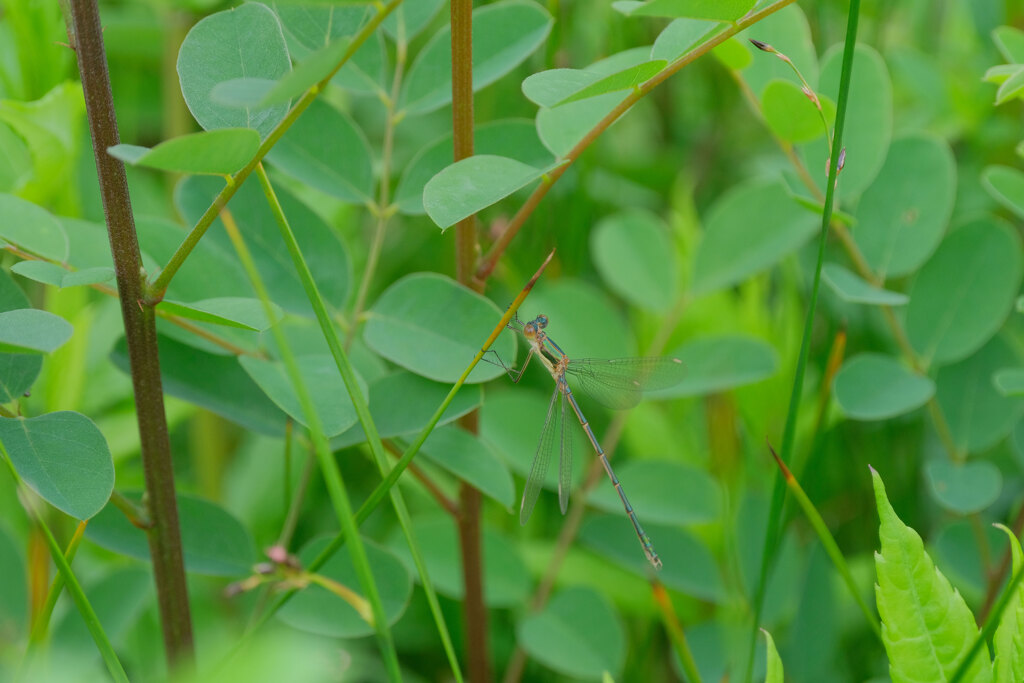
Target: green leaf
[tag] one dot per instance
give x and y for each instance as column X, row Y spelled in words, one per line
column 964, row 488
column 627, row 79
column 949, row 318
column 1009, row 639
column 999, row 73
column 873, row 386
column 511, row 138
column 849, row 286
column 323, row 382
column 433, row 326
column 307, row 73
column 791, row 115
column 120, row 598
column 869, row 119
column 902, row 216
column 719, row 363
column 1006, row 185
column 926, row 625
column 773, row 663
column 548, row 88
column 1011, row 88
column 471, row 185
column 326, row 150
column 215, row 543
column 510, row 422
column 14, row 598
column 52, row 274
column 324, row 252
column 215, row 382
column 577, row 634
column 788, row 31
column 663, row 492
column 246, row 314
column 32, row 229
column 978, row 415
column 583, row 320
column 317, row 610
column 504, row 34
column 414, row 15
column 18, row 371
column 15, row 160
column 29, row 330
column 245, row 41
column 240, row 93
column 633, row 252
column 716, row 10
column 1010, row 42
column 402, row 404
column 1010, row 382
column 220, row 152
column 471, row 460
column 506, row 580
column 681, row 36
column 63, row 457
column 750, row 228
column 688, row 565
column 733, row 54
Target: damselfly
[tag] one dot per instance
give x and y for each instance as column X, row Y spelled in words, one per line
column 617, row 383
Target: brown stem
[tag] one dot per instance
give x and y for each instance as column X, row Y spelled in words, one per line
column 140, row 333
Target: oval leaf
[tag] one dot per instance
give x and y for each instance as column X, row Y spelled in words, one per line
column 1006, row 185
column 903, row 214
column 433, row 326
column 627, row 79
column 634, row 254
column 872, row 386
column 64, row 458
column 717, row 10
column 578, row 634
column 326, row 150
column 473, row 184
column 504, row 34
column 471, row 460
column 663, row 492
column 720, row 363
column 32, row 229
column 927, row 627
column 318, row 610
column 246, row 314
column 949, row 318
column 243, row 42
column 850, row 287
column 215, row 543
column 52, row 274
column 216, row 151
column 791, row 115
column 964, row 488
column 750, row 228
column 28, row 330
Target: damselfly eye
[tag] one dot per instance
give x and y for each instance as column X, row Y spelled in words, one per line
column 542, row 321
column 530, row 330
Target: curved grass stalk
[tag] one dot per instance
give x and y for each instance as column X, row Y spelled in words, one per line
column 328, row 465
column 362, row 408
column 789, row 434
column 92, row 622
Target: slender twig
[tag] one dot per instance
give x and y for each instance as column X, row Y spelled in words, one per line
column 140, row 333
column 789, row 433
column 487, row 264
column 155, row 291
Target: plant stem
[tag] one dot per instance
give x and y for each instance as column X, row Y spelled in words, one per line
column 675, row 632
column 789, row 434
column 155, row 291
column 487, row 264
column 140, row 333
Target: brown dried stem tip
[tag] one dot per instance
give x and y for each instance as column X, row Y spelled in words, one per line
column 764, row 47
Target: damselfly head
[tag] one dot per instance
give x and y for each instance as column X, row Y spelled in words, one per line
column 530, row 329
column 541, row 320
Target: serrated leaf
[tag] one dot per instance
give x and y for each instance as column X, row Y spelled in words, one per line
column 873, row 386
column 634, row 254
column 221, row 151
column 243, row 42
column 246, row 314
column 851, row 287
column 32, row 228
column 926, row 625
column 63, row 457
column 471, row 185
column 29, row 330
column 433, row 326
column 577, row 634
column 1009, row 639
column 948, row 318
column 504, row 34
column 749, row 228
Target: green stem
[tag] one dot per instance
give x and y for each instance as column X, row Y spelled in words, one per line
column 156, row 289
column 789, row 433
column 328, row 465
column 362, row 408
column 92, row 622
column 140, row 333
